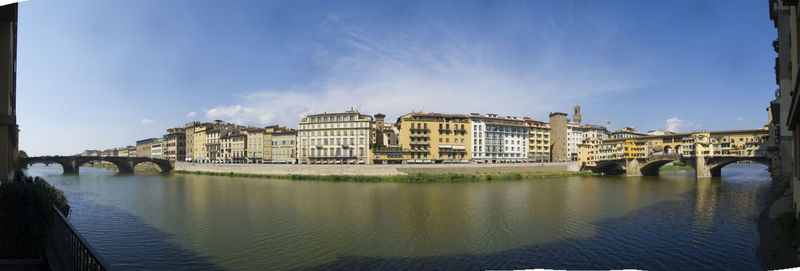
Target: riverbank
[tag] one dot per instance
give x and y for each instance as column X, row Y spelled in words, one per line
column 777, row 248
column 410, row 178
column 678, row 168
column 378, row 170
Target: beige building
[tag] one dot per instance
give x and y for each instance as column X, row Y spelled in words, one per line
column 233, row 148
column 284, row 146
column 434, row 138
column 334, row 138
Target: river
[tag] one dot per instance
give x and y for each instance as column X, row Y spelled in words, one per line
column 189, row 222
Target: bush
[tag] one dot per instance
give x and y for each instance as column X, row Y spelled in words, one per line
column 26, row 216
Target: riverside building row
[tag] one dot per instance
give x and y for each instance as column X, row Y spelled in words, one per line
column 351, row 137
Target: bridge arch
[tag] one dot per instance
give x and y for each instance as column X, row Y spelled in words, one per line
column 71, row 164
column 163, row 165
column 66, row 165
column 121, row 164
column 651, row 168
column 715, row 165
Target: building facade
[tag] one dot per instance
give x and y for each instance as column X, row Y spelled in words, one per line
column 558, row 137
column 284, row 147
column 334, row 138
column 174, row 148
column 574, row 138
column 156, row 148
column 434, row 138
column 538, row 141
column 255, row 145
column 233, row 148
column 143, row 147
column 497, row 139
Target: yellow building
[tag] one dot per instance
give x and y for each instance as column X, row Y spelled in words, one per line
column 589, row 151
column 255, row 145
column 199, row 151
column 434, row 138
column 634, row 149
column 538, row 141
column 284, row 146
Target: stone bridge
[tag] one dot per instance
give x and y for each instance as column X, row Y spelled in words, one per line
column 708, row 166
column 71, row 164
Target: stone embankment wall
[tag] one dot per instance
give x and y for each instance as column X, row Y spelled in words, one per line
column 377, row 170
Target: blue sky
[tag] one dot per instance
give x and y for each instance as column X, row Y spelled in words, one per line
column 102, row 74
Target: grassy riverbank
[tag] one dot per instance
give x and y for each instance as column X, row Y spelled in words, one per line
column 410, row 178
column 676, row 168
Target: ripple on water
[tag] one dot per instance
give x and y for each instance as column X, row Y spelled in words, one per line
column 202, row 222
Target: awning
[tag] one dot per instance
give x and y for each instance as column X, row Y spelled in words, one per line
column 445, row 146
column 459, row 147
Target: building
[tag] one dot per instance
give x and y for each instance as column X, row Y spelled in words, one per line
column 174, row 148
column 574, row 138
column 284, row 147
column 156, row 148
column 9, row 130
column 497, row 139
column 200, row 152
column 589, row 151
column 383, row 134
column 595, row 132
column 334, row 138
column 255, row 145
column 626, row 132
column 143, row 147
column 538, row 141
column 786, row 116
column 434, row 138
column 659, row 132
column 232, row 148
column 189, row 136
column 558, row 137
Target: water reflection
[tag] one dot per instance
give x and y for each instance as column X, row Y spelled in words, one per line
column 579, row 222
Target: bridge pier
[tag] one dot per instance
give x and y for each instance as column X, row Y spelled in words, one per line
column 633, row 167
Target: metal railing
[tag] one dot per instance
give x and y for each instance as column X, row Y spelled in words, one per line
column 71, row 250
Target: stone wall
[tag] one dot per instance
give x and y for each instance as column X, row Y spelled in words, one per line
column 377, row 170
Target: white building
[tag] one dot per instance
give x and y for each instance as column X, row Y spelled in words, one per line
column 156, row 149
column 574, row 138
column 334, row 138
column 659, row 132
column 498, row 139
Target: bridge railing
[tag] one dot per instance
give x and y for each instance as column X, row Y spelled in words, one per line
column 71, row 250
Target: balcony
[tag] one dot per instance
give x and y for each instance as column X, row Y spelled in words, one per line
column 418, row 150
column 419, row 129
column 418, row 136
column 345, row 146
column 419, row 142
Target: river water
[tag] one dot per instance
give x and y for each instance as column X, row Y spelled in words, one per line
column 191, row 222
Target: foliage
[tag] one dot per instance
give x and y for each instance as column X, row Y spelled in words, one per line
column 22, row 154
column 26, row 216
column 409, row 178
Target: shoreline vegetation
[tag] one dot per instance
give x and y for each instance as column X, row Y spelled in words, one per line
column 410, row 178
column 675, row 168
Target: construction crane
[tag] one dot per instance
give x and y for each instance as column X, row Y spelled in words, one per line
column 610, row 123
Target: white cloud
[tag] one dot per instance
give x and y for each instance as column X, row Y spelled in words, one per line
column 675, row 124
column 191, row 114
column 394, row 73
column 147, row 121
column 739, row 119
